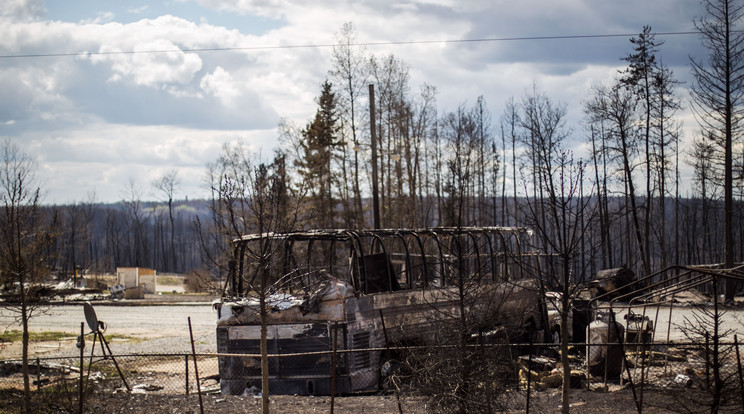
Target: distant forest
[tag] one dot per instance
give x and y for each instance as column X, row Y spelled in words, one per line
column 96, row 238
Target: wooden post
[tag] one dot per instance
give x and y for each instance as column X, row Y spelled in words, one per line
column 389, row 358
column 707, row 359
column 334, row 338
column 741, row 375
column 196, row 368
column 373, row 138
column 186, row 360
column 82, row 361
column 529, row 377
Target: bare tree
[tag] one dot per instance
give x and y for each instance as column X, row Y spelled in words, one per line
column 614, row 109
column 639, row 78
column 138, row 245
column 25, row 235
column 167, row 185
column 252, row 197
column 350, row 74
column 558, row 213
column 717, row 97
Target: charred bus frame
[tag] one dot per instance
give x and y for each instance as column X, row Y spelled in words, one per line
column 347, row 290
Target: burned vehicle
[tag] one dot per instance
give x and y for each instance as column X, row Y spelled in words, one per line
column 611, row 283
column 338, row 303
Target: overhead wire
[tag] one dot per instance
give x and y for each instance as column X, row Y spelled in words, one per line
column 321, row 46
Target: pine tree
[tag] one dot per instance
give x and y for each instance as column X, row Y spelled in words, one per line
column 317, row 143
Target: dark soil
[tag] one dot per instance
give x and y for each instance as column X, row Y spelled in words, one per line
column 582, row 401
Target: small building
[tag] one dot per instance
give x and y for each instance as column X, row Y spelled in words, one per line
column 137, row 280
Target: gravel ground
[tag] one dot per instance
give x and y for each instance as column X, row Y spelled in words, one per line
column 147, row 328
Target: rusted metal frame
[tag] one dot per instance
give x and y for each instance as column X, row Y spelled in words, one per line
column 519, row 254
column 232, row 273
column 285, row 262
column 477, row 254
column 376, row 239
column 308, row 260
column 408, row 259
column 352, row 255
column 441, row 257
column 688, row 284
column 331, row 256
column 354, row 235
column 503, row 251
column 423, row 258
column 265, row 238
column 607, row 294
column 454, row 238
column 241, row 269
column 672, row 291
column 290, row 261
column 490, row 253
column 688, row 269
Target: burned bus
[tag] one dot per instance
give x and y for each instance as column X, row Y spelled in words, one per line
column 337, row 301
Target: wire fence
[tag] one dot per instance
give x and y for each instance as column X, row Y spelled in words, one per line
column 673, row 377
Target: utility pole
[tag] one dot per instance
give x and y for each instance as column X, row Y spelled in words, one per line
column 373, row 137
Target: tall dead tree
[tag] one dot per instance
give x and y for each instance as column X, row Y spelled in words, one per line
column 167, row 185
column 558, row 214
column 614, row 108
column 25, row 235
column 717, row 97
column 350, row 74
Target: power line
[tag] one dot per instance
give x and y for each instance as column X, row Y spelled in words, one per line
column 321, row 46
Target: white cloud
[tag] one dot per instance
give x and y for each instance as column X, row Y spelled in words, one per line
column 151, row 69
column 96, row 157
column 220, row 84
column 138, row 10
column 101, row 18
column 22, row 9
column 127, row 113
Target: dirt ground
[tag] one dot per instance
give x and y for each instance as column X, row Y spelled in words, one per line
column 157, row 328
column 582, row 401
column 620, row 402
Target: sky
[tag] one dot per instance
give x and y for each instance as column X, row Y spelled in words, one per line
column 98, row 118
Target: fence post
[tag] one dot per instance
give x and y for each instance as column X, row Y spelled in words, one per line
column 529, row 376
column 196, row 368
column 389, row 357
column 741, row 375
column 643, row 365
column 38, row 373
column 186, row 360
column 82, row 361
column 334, row 338
column 707, row 361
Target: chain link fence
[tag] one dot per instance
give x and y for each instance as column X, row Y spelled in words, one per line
column 669, row 377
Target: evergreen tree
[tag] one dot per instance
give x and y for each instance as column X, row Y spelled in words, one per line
column 317, row 144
